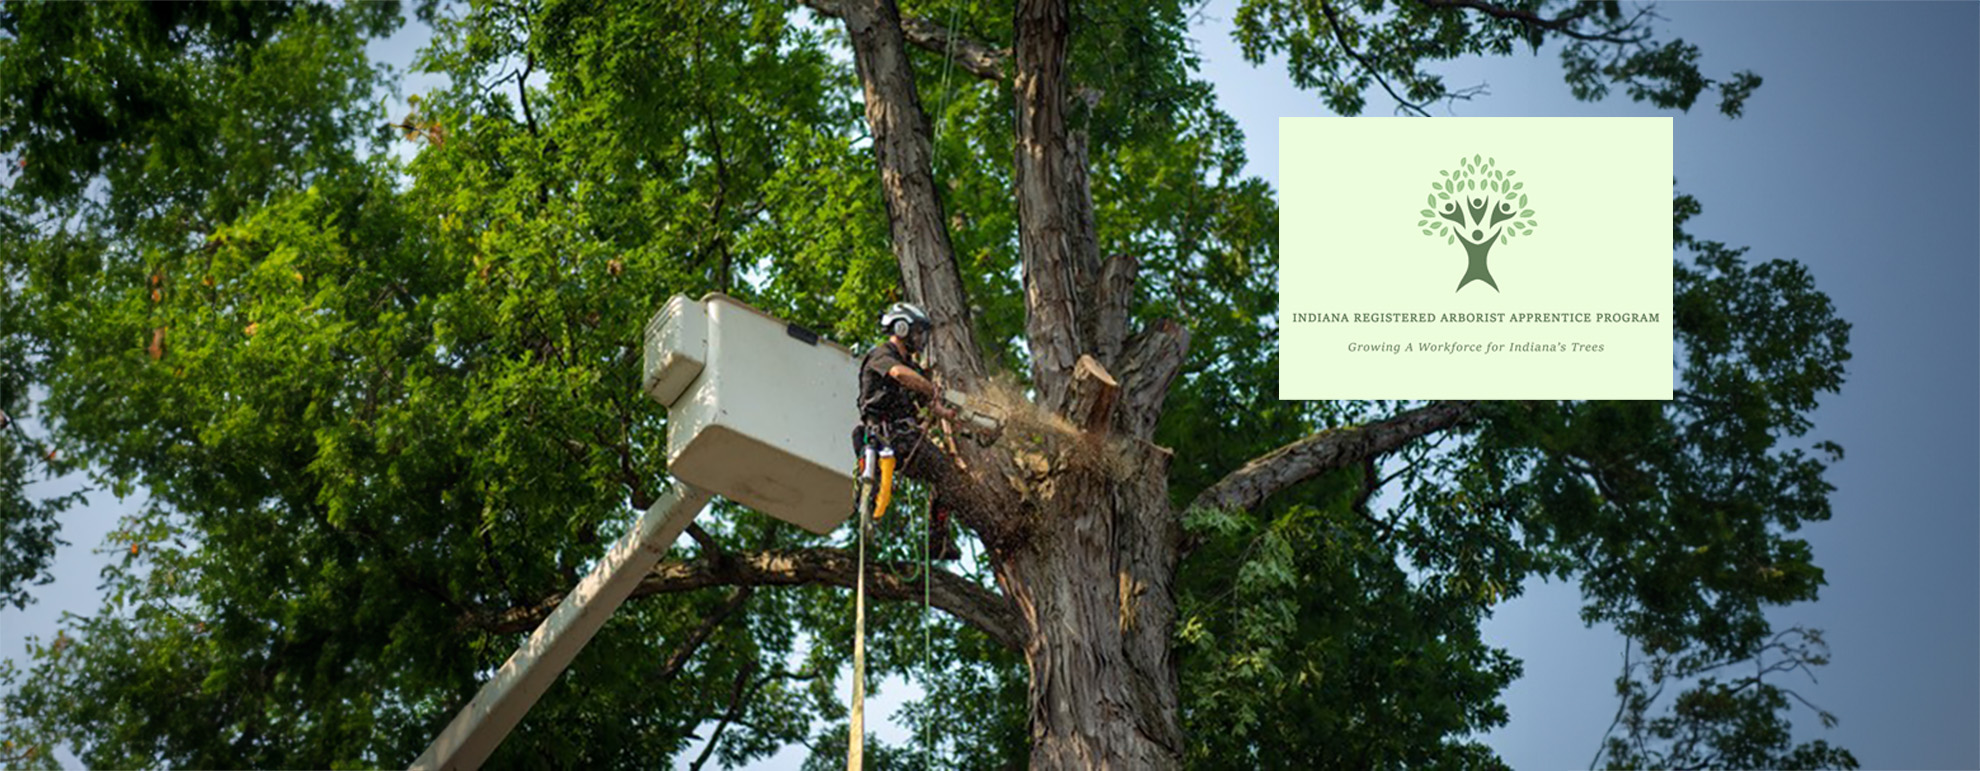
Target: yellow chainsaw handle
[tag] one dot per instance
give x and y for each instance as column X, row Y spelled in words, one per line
column 886, row 493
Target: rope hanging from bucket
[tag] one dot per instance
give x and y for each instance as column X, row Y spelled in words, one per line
column 871, row 509
column 856, row 743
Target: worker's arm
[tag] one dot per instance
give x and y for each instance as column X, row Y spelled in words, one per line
column 915, row 382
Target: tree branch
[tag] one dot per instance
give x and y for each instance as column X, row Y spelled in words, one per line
column 1083, row 239
column 1340, row 38
column 1048, row 216
column 684, row 651
column 1325, row 451
column 738, row 696
column 901, row 145
column 977, row 57
column 1148, row 367
column 1113, row 299
column 972, row 604
column 1564, row 24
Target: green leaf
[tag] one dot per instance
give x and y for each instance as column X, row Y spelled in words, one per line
column 1527, row 213
column 1426, row 231
column 1430, row 202
column 1522, row 199
column 1518, row 185
column 1445, row 196
column 1429, row 213
column 1527, row 233
column 1421, row 223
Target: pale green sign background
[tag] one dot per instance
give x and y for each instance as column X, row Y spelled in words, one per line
column 1351, row 191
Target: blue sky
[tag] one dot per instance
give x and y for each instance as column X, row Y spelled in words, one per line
column 1859, row 156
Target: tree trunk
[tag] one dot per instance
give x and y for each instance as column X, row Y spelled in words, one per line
column 1094, row 595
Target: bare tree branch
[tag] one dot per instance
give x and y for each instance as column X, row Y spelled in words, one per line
column 975, row 56
column 1083, row 241
column 1148, row 367
column 972, row 604
column 1325, row 451
column 1048, row 212
column 1113, row 301
column 902, row 146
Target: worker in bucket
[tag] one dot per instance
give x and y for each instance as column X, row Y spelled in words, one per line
column 894, row 392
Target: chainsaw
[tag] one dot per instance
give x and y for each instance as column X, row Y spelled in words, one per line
column 973, row 421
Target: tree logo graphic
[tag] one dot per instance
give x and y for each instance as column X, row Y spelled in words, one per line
column 1478, row 205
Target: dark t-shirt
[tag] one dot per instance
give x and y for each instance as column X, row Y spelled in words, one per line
column 881, row 397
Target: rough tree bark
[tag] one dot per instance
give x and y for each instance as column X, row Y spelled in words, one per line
column 1087, row 545
column 1081, row 533
column 903, row 149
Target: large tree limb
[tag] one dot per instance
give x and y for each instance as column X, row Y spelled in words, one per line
column 973, row 604
column 974, row 56
column 1148, row 367
column 1113, row 302
column 1326, row 451
column 1048, row 214
column 901, row 144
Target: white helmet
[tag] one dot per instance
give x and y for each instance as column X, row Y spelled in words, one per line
column 903, row 320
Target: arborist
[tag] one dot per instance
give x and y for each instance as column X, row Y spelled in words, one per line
column 896, row 396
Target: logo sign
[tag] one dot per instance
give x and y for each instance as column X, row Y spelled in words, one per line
column 1413, row 263
column 1477, row 205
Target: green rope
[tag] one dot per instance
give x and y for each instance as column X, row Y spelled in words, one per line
column 927, row 560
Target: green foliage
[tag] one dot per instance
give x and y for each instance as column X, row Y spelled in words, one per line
column 1306, row 644
column 1477, row 179
column 376, row 404
column 1342, row 48
column 1675, row 518
column 1735, row 722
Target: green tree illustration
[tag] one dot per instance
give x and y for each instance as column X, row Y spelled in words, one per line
column 1478, row 205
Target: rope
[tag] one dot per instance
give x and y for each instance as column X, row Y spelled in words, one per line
column 928, row 515
column 856, row 743
column 927, row 658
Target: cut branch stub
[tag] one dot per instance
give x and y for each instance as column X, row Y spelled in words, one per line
column 1094, row 392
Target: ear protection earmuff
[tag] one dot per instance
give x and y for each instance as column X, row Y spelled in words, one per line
column 901, row 328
